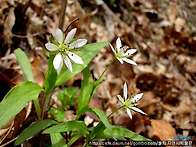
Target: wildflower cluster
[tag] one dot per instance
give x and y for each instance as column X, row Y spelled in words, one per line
column 64, row 53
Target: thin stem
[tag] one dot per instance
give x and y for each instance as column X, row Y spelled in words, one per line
column 76, row 19
column 62, row 14
column 114, row 111
column 106, row 68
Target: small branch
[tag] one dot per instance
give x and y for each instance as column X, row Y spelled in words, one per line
column 27, row 36
column 62, row 14
column 76, row 19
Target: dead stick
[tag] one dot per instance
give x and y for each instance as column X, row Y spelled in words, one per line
column 62, row 14
column 76, row 19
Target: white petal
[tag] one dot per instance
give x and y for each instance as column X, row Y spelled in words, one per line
column 78, row 43
column 130, row 52
column 112, row 49
column 129, row 113
column 125, row 91
column 129, row 61
column 57, row 61
column 138, row 110
column 75, row 58
column 51, row 46
column 70, row 36
column 120, row 60
column 120, row 98
column 118, row 44
column 67, row 63
column 59, row 36
column 137, row 97
column 59, row 68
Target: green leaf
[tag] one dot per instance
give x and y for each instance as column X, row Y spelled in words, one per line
column 104, row 119
column 16, row 99
column 33, row 129
column 121, row 132
column 97, row 130
column 85, row 91
column 87, row 53
column 57, row 140
column 74, row 138
column 68, row 96
column 58, row 114
column 24, row 64
column 68, row 126
column 51, row 76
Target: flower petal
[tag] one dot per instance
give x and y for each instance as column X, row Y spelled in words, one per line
column 129, row 113
column 120, row 60
column 78, row 43
column 75, row 58
column 59, row 36
column 112, row 49
column 120, row 98
column 125, row 91
column 137, row 97
column 70, row 36
column 118, row 44
column 51, row 47
column 129, row 61
column 57, row 61
column 137, row 110
column 130, row 52
column 67, row 63
column 59, row 68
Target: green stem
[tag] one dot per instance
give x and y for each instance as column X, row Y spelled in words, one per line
column 114, row 111
column 44, row 105
column 37, row 107
column 106, row 68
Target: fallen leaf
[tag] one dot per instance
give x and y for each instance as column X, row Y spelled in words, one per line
column 163, row 130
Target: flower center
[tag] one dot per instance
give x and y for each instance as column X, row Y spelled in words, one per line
column 63, row 48
column 128, row 103
column 122, row 51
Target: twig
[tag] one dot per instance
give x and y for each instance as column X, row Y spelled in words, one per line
column 7, row 132
column 8, row 142
column 62, row 14
column 76, row 19
column 27, row 36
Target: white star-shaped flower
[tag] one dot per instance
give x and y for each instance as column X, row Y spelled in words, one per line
column 129, row 103
column 120, row 53
column 64, row 49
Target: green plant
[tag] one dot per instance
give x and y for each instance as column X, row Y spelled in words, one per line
column 60, row 70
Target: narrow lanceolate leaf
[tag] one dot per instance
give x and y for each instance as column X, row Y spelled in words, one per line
column 85, row 91
column 100, row 114
column 57, row 140
column 33, row 129
column 67, row 127
column 121, row 132
column 87, row 53
column 16, row 99
column 24, row 64
column 51, row 76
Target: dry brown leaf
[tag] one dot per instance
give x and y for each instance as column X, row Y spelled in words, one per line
column 163, row 129
column 136, row 124
column 38, row 73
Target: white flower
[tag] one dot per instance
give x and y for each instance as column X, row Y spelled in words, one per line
column 120, row 53
column 64, row 50
column 129, row 103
